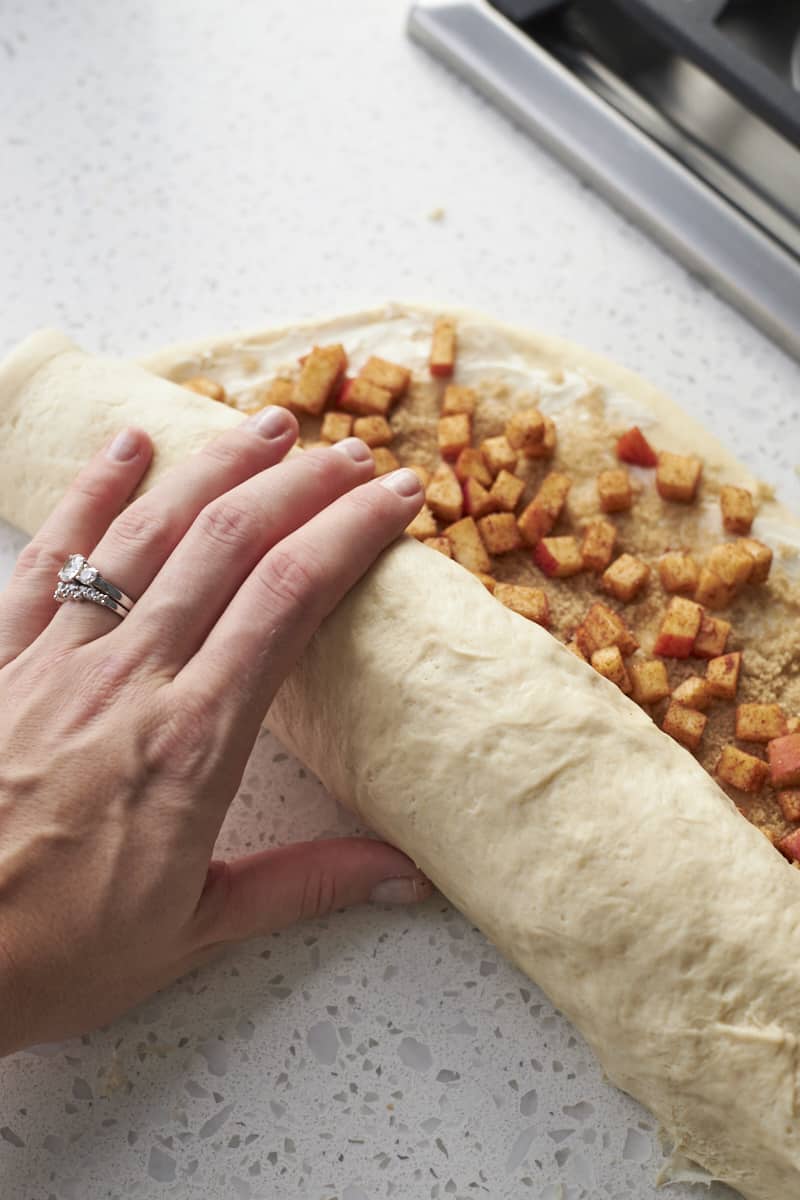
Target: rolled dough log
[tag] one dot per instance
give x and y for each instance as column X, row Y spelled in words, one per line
column 590, row 847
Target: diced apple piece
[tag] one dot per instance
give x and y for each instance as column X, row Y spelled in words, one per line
column 603, row 627
column 488, row 581
column 614, row 490
column 454, row 434
column 507, row 490
column 442, row 544
column 738, row 509
column 761, row 556
column 693, row 692
column 318, row 377
column 575, row 649
column 539, row 517
column 278, row 391
column 790, row 804
column 784, row 760
column 712, row 591
column 741, row 770
column 424, row 525
column 793, row 724
column 500, row 533
column 385, row 461
column 365, row 399
column 686, row 725
column 467, row 547
column 375, row 431
column 527, row 601
column 790, row 845
column 209, row 388
column 443, row 348
column 558, row 557
column 443, row 494
column 677, row 476
column 525, row 431
column 712, row 638
column 336, row 426
column 679, row 628
column 760, row 722
column 633, row 447
column 458, row 400
column 731, row 563
column 722, row 675
column 477, row 501
column 678, row 572
column 422, row 473
column 649, row 681
column 598, row 544
column 626, row 577
column 498, row 454
column 470, row 464
column 608, row 662
column 547, row 446
column 389, row 376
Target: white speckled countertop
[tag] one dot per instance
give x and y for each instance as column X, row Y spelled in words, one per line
column 176, row 169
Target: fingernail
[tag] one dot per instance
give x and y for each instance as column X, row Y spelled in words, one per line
column 403, row 482
column 400, row 891
column 125, row 446
column 270, row 423
column 354, row 448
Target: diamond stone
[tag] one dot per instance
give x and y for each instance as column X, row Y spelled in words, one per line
column 72, row 568
column 88, row 574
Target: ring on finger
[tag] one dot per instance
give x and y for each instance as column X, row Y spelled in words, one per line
column 79, row 580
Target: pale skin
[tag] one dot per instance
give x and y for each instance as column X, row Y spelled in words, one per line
column 122, row 743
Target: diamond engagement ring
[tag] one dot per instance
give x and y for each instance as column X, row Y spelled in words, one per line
column 79, row 580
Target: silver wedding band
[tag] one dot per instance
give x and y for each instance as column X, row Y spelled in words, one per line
column 79, row 580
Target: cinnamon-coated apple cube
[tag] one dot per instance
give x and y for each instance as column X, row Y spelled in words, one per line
column 711, row 591
column 614, row 490
column 423, row 525
column 649, row 681
column 507, row 490
column 760, row 722
column 677, row 476
column 790, row 845
column 365, row 399
column 488, row 581
column 387, row 375
column 458, row 399
column 439, row 543
column 422, row 473
column 454, row 434
column 793, row 724
column 538, row 518
column 693, row 692
column 722, row 675
column 319, row 375
column 598, row 544
column 498, row 454
column 558, row 557
column 679, row 628
column 761, row 556
column 443, row 494
column 443, row 348
column 732, row 563
column 525, row 431
column 684, row 724
column 784, row 760
column 712, row 638
column 385, row 461
column 608, row 662
column 547, row 446
column 633, row 447
column 626, row 577
column 738, row 509
column 279, row 392
column 470, row 464
column 477, row 501
column 527, row 601
column 336, row 426
column 678, row 572
column 603, row 627
column 500, row 533
column 575, row 649
column 466, row 545
column 741, row 770
column 789, row 802
column 375, row 431
column 212, row 389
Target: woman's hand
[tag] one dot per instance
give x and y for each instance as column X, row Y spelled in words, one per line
column 122, row 743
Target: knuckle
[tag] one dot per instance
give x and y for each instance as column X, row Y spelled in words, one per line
column 319, row 895
column 140, row 526
column 38, row 558
column 287, row 580
column 178, row 744
column 94, row 487
column 225, row 523
column 226, row 451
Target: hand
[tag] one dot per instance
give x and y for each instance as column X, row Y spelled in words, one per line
column 122, row 743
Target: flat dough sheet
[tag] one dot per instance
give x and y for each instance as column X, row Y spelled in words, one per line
column 589, row 846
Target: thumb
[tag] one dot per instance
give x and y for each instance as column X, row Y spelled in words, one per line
column 270, row 890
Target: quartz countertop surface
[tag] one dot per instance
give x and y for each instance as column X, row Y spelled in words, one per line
column 174, row 170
